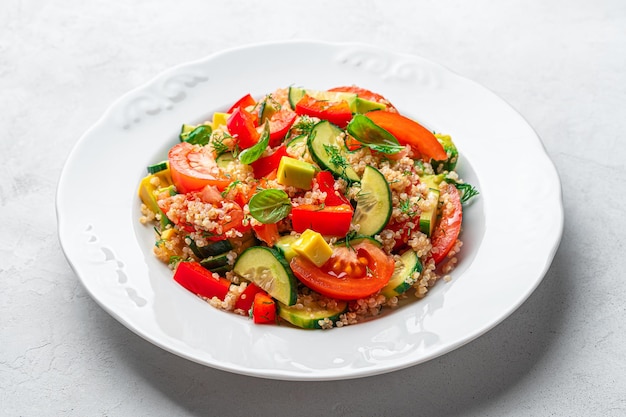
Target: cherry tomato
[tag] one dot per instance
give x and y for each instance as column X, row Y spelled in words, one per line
column 193, row 167
column 242, row 125
column 326, row 184
column 243, row 102
column 326, row 220
column 366, row 94
column 449, row 226
column 280, row 123
column 410, row 132
column 350, row 273
column 200, row 281
column 336, row 112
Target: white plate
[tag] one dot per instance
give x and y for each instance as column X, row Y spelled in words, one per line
column 511, row 231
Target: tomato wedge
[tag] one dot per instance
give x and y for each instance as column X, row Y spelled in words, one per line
column 280, row 123
column 200, row 281
column 326, row 220
column 449, row 226
column 351, row 273
column 409, row 132
column 243, row 102
column 336, row 112
column 365, row 94
column 242, row 125
column 193, row 167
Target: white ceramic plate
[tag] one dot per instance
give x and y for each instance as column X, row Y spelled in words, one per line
column 511, row 231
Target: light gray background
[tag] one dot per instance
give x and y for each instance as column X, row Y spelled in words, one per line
column 561, row 64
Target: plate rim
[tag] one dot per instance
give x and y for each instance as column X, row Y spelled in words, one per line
column 281, row 374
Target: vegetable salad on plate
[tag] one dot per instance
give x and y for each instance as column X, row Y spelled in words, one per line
column 315, row 208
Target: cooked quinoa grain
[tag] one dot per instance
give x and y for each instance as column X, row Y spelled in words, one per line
column 202, row 209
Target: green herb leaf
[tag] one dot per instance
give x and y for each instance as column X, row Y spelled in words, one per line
column 199, row 136
column 467, row 191
column 270, row 206
column 373, row 136
column 248, row 156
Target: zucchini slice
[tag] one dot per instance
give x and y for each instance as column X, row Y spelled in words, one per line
column 268, row 269
column 310, row 317
column 327, row 151
column 402, row 278
column 373, row 203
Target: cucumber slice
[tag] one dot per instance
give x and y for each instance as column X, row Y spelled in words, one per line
column 268, row 269
column 295, row 95
column 158, row 167
column 213, row 262
column 284, row 245
column 310, row 317
column 224, row 159
column 296, row 141
column 358, row 239
column 212, row 249
column 402, row 278
column 373, row 203
column 327, row 151
column 428, row 218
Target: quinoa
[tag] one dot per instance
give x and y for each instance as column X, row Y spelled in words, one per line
column 196, row 220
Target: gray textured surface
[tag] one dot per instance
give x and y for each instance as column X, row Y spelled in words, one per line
column 562, row 64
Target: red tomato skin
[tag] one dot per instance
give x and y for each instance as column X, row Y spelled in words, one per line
column 448, row 228
column 338, row 113
column 408, row 131
column 200, row 281
column 243, row 102
column 327, row 220
column 241, row 124
column 280, row 123
column 185, row 176
column 263, row 309
column 262, row 167
column 347, row 288
column 326, row 184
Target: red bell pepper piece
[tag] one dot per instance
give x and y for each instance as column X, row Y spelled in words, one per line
column 263, row 309
column 243, row 102
column 242, row 125
column 327, row 220
column 245, row 300
column 410, row 132
column 280, row 123
column 262, row 167
column 199, row 280
column 336, row 112
column 326, row 183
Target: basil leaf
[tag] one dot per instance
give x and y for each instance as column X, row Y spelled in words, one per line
column 373, row 136
column 270, row 206
column 199, row 136
column 253, row 153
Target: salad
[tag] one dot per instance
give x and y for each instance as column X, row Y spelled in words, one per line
column 317, row 208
